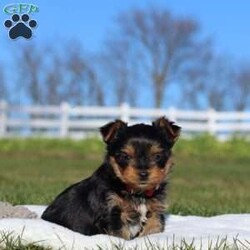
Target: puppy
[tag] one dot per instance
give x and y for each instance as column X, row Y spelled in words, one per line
column 125, row 196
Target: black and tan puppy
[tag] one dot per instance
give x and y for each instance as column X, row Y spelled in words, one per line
column 125, row 196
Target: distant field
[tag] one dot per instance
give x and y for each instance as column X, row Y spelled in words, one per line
column 209, row 177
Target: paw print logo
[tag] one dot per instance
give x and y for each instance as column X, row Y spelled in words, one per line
column 20, row 26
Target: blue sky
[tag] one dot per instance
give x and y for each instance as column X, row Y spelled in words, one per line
column 227, row 22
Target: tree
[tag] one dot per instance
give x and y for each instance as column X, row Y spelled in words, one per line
column 218, row 85
column 164, row 43
column 208, row 82
column 96, row 91
column 54, row 92
column 30, row 72
column 83, row 84
column 48, row 75
column 3, row 86
column 121, row 70
column 240, row 91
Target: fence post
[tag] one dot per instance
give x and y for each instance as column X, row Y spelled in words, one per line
column 3, row 118
column 65, row 108
column 125, row 108
column 212, row 122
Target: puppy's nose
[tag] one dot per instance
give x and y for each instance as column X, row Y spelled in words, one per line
column 143, row 175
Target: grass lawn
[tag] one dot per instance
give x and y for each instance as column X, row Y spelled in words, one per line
column 208, row 178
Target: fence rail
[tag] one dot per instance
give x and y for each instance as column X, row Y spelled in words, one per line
column 79, row 121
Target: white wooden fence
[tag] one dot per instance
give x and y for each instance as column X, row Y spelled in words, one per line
column 80, row 121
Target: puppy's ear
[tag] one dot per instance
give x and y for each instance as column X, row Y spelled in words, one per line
column 110, row 130
column 172, row 131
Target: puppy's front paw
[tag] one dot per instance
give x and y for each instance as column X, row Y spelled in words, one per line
column 130, row 215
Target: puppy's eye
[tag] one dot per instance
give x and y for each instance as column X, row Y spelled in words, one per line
column 122, row 156
column 157, row 157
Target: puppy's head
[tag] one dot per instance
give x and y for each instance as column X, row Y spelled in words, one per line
column 140, row 155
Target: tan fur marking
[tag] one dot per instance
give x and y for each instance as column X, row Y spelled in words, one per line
column 128, row 175
column 129, row 149
column 156, row 206
column 116, row 168
column 116, row 125
column 128, row 214
column 153, row 225
column 155, row 148
column 172, row 130
column 158, row 175
column 114, row 200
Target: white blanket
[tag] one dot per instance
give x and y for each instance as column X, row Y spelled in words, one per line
column 199, row 230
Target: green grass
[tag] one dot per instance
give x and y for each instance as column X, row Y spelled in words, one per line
column 9, row 242
column 209, row 177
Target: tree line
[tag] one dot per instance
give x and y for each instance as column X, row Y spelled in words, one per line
column 151, row 57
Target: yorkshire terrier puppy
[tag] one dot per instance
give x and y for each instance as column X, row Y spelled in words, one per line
column 125, row 196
